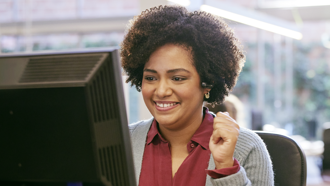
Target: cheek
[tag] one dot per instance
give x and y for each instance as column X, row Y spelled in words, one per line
column 191, row 90
column 146, row 91
column 191, row 93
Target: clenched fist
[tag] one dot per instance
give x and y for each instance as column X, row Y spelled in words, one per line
column 223, row 140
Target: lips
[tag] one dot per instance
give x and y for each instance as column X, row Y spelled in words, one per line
column 165, row 106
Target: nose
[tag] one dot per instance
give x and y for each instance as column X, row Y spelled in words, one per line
column 163, row 89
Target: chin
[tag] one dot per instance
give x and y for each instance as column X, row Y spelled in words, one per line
column 164, row 120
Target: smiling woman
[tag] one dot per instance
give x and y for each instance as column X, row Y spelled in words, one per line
column 178, row 60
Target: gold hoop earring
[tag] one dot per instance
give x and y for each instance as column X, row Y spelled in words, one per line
column 207, row 95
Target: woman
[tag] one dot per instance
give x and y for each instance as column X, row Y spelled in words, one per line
column 178, row 60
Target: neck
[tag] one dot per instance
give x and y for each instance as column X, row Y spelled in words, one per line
column 182, row 134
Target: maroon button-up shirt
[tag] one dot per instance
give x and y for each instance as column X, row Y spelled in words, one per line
column 157, row 164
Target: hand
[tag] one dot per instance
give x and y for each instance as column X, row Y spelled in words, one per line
column 223, row 140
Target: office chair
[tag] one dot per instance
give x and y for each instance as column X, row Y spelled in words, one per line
column 326, row 156
column 289, row 162
column 326, row 152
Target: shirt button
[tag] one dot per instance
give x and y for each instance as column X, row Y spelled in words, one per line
column 192, row 145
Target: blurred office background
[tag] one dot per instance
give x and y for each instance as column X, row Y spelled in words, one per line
column 284, row 86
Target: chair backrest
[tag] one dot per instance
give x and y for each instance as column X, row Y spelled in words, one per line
column 289, row 162
column 326, row 152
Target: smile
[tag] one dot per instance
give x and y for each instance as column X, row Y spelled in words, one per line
column 164, row 105
column 161, row 106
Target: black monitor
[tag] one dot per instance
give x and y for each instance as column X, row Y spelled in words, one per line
column 63, row 120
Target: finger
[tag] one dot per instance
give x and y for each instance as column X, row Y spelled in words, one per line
column 225, row 134
column 224, row 114
column 216, row 137
column 224, row 121
column 228, row 129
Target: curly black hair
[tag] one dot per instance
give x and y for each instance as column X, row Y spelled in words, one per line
column 216, row 53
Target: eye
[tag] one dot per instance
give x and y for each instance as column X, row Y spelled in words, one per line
column 178, row 78
column 150, row 78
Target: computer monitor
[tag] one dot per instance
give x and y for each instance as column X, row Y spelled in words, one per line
column 63, row 120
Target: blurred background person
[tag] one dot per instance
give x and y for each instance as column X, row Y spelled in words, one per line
column 233, row 106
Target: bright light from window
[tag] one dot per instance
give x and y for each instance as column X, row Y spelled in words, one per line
column 181, row 2
column 293, row 3
column 252, row 22
column 326, row 40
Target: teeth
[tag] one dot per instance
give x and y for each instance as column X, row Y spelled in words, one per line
column 165, row 104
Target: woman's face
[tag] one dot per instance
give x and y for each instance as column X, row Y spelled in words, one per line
column 171, row 87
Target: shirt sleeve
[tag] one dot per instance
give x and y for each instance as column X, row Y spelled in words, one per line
column 220, row 173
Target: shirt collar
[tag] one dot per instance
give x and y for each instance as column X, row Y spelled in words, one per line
column 201, row 136
column 204, row 132
column 153, row 132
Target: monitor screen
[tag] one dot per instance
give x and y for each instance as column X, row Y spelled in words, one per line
column 63, row 120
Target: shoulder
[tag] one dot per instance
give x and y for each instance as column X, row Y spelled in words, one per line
column 249, row 141
column 249, row 137
column 140, row 124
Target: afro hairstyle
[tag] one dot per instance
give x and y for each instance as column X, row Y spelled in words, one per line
column 216, row 53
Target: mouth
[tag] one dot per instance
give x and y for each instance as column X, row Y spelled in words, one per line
column 164, row 106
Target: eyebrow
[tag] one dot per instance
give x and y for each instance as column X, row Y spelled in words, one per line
column 149, row 70
column 169, row 71
column 177, row 70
